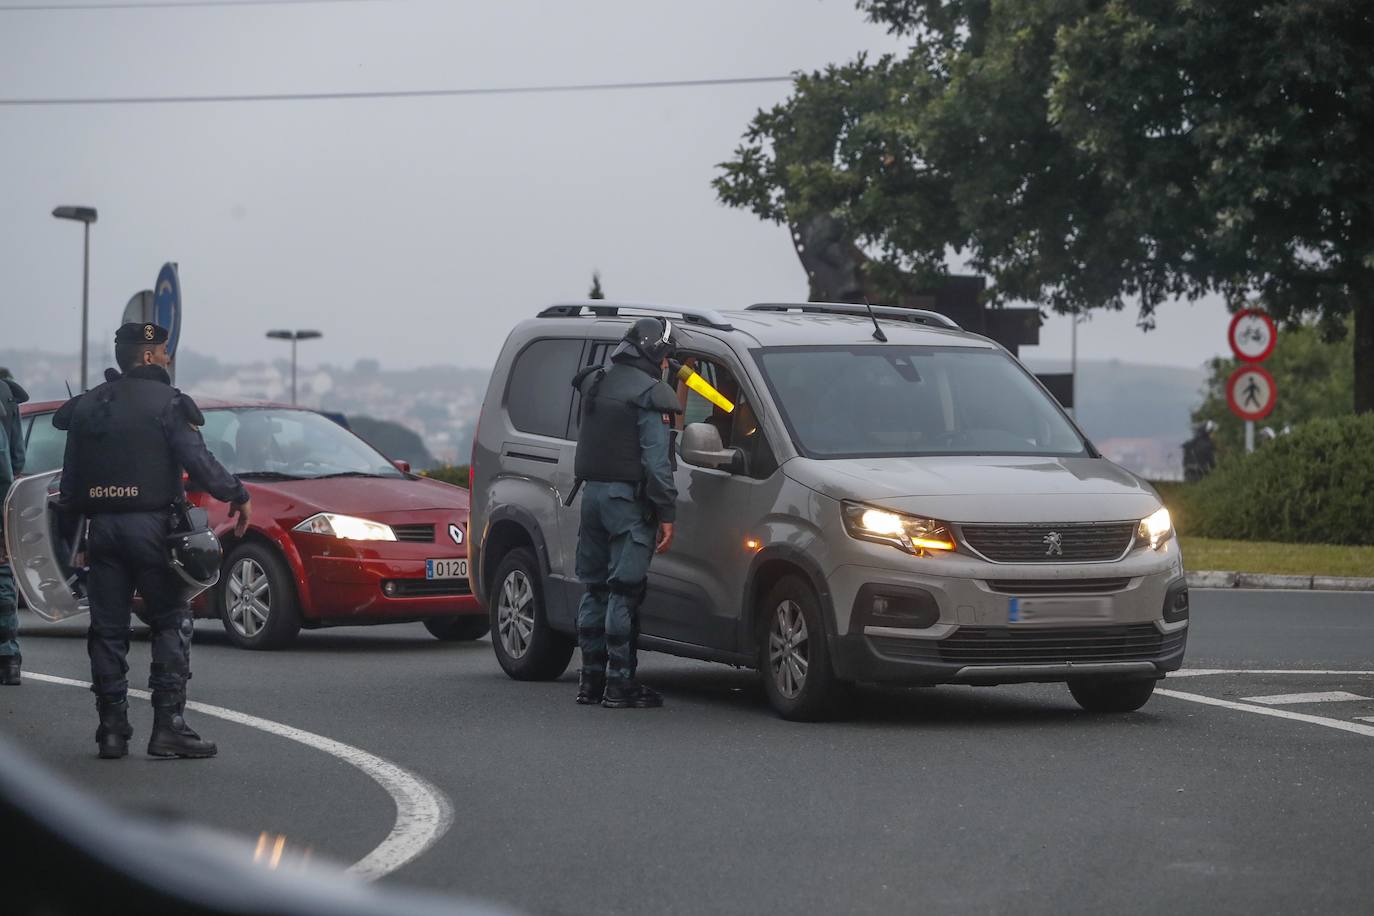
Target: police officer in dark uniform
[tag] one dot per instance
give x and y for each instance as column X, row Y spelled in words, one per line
column 12, row 394
column 628, row 507
column 128, row 442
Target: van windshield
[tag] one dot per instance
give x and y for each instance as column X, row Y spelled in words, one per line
column 885, row 400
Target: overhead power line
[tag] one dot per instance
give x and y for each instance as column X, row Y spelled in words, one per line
column 390, row 93
column 160, row 4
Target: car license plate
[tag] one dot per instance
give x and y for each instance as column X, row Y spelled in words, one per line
column 1063, row 609
column 446, row 569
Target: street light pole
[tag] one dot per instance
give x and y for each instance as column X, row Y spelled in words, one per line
column 294, row 337
column 85, row 215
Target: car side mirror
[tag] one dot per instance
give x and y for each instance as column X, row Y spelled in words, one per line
column 402, row 466
column 701, row 446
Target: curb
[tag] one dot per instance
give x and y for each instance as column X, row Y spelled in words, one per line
column 1228, row 579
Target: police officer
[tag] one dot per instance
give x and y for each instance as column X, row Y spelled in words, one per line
column 627, row 508
column 129, row 441
column 11, row 466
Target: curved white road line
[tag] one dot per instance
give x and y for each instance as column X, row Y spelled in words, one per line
column 1357, row 728
column 423, row 812
column 1200, row 672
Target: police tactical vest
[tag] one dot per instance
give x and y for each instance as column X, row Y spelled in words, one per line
column 608, row 440
column 118, row 450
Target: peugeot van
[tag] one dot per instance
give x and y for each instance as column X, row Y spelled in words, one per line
column 892, row 500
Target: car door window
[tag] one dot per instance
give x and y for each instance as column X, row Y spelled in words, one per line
column 739, row 428
column 539, row 396
column 47, row 446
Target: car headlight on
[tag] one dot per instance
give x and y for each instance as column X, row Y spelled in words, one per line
column 346, row 527
column 1155, row 529
column 906, row 532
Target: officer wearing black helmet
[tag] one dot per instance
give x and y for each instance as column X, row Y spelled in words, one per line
column 628, row 507
column 128, row 443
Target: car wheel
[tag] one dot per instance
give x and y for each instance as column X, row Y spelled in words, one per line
column 258, row 598
column 459, row 629
column 1111, row 695
column 527, row 648
column 794, row 657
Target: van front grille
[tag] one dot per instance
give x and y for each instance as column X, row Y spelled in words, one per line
column 1058, row 586
column 1048, row 646
column 1067, row 543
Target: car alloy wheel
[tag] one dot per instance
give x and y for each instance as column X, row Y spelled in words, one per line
column 788, row 651
column 250, row 598
column 515, row 614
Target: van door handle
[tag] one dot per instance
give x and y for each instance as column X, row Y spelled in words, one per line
column 529, row 452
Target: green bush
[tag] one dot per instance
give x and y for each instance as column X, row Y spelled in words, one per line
column 1315, row 485
column 456, row 474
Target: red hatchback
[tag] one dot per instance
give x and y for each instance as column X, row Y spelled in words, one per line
column 340, row 536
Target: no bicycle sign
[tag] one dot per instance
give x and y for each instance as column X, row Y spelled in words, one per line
column 1252, row 335
column 1251, row 392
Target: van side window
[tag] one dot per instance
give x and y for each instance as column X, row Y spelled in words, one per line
column 540, row 392
column 739, row 428
column 598, row 354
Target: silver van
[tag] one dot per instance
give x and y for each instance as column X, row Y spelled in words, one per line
column 892, row 500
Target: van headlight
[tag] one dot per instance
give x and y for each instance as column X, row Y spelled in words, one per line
column 907, row 532
column 1156, row 529
column 346, row 527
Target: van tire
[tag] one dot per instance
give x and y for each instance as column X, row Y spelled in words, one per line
column 466, row 628
column 1111, row 694
column 818, row 694
column 526, row 647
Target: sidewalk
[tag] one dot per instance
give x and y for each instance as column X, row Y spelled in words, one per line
column 1227, row 579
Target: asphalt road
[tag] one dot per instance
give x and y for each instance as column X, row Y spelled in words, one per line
column 951, row 799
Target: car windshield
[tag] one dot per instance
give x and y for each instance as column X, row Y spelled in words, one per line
column 285, row 443
column 890, row 400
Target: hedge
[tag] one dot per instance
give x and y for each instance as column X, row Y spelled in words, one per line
column 1314, row 485
column 456, row 474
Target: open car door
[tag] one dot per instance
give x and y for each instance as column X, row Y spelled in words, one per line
column 42, row 555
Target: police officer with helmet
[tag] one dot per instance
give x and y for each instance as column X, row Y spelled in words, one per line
column 628, row 507
column 128, row 442
column 12, row 394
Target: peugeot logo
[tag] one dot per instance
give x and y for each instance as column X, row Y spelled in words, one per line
column 456, row 533
column 1054, row 542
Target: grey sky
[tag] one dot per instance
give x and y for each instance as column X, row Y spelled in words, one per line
column 415, row 231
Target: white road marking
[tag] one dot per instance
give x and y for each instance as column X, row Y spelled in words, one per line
column 1201, row 672
column 1364, row 718
column 1293, row 699
column 1366, row 730
column 423, row 812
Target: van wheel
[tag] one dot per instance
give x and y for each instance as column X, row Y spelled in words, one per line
column 527, row 648
column 459, row 629
column 1111, row 695
column 794, row 657
column 257, row 598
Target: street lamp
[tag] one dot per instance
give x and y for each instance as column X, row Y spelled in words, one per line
column 85, row 215
column 293, row 336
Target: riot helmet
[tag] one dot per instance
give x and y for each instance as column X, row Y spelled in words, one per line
column 651, row 338
column 193, row 552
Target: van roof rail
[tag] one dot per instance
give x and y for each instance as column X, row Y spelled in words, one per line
column 602, row 308
column 918, row 316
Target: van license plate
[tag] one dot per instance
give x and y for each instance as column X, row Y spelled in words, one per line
column 446, row 569
column 1039, row 609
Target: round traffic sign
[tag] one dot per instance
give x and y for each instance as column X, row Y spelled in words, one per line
column 1252, row 335
column 1251, row 392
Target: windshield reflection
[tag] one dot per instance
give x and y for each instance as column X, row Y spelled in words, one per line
column 283, row 444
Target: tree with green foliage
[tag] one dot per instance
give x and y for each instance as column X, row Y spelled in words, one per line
column 596, row 292
column 1094, row 154
column 1315, row 379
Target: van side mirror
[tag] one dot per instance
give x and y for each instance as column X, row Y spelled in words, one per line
column 701, row 446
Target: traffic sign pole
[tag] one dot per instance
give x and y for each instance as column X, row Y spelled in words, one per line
column 1249, row 436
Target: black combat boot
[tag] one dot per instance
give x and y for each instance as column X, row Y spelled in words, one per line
column 114, row 732
column 9, row 669
column 590, row 689
column 171, row 736
column 630, row 694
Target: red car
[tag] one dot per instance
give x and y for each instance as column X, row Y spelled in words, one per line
column 340, row 536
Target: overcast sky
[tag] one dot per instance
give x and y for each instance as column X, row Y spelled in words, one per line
column 415, row 231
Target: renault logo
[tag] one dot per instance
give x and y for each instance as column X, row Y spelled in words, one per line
column 1054, row 544
column 456, row 533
